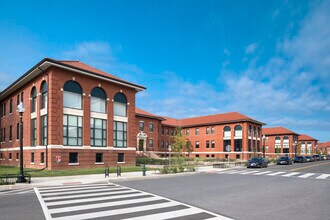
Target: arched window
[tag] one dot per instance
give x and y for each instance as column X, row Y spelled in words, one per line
column 238, row 131
column 250, row 130
column 277, row 144
column 226, row 132
column 98, row 100
column 255, row 131
column 72, row 95
column 33, row 99
column 44, row 94
column 120, row 105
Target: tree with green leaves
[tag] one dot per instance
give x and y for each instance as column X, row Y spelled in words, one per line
column 178, row 140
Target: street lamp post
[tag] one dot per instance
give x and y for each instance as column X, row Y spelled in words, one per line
column 21, row 177
column 263, row 146
column 169, row 155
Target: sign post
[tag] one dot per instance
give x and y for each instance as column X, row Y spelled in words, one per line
column 228, row 149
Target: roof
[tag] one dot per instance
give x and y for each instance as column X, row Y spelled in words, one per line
column 170, row 122
column 140, row 112
column 216, row 119
column 324, row 144
column 305, row 137
column 277, row 131
column 75, row 66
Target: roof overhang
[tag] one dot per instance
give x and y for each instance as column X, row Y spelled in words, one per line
column 47, row 63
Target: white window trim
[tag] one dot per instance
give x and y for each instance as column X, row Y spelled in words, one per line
column 99, row 115
column 73, row 164
column 120, row 118
column 70, row 111
column 33, row 115
column 99, row 163
column 43, row 111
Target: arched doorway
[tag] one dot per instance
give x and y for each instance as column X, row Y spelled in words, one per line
column 141, row 141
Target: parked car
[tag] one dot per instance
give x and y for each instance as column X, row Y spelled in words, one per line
column 257, row 162
column 284, row 161
column 299, row 159
column 317, row 157
column 309, row 158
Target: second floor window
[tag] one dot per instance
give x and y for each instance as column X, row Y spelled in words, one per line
column 197, row 144
column 141, row 125
column 151, row 127
column 33, row 99
column 197, row 131
column 120, row 105
column 72, row 95
column 98, row 100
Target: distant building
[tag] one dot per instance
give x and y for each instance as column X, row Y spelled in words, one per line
column 280, row 141
column 307, row 144
column 323, row 148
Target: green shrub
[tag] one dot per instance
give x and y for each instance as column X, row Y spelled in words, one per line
column 151, row 161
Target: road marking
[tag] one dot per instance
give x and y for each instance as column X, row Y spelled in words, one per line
column 323, row 176
column 264, row 172
column 249, row 172
column 290, row 174
column 274, row 174
column 128, row 204
column 306, row 175
column 306, row 167
column 235, row 171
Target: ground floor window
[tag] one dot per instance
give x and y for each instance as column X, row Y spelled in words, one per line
column 44, row 130
column 277, row 150
column 17, row 156
column 119, row 134
column 42, row 157
column 98, row 132
column 72, row 130
column 249, row 146
column 238, row 144
column 151, row 143
column 162, row 144
column 285, row 150
column 34, row 132
column 73, row 157
column 32, row 158
column 197, row 155
column 10, row 157
column 99, row 158
column 121, row 158
column 226, row 143
column 238, row 156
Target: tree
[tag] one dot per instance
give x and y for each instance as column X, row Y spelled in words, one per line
column 178, row 140
column 189, row 147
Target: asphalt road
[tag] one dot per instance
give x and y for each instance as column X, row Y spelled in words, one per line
column 241, row 195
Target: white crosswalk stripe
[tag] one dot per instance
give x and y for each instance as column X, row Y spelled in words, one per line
column 113, row 201
column 279, row 173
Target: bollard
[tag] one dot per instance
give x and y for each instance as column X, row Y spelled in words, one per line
column 118, row 171
column 106, row 172
column 144, row 170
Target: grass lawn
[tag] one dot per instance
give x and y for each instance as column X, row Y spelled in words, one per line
column 46, row 173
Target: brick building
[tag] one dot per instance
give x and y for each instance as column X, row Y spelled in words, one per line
column 209, row 135
column 324, row 148
column 280, row 141
column 75, row 116
column 307, row 144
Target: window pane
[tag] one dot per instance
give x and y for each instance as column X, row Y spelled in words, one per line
column 97, row 105
column 73, row 120
column 98, row 123
column 98, row 133
column 119, row 109
column 73, row 132
column 73, row 141
column 72, row 100
column 65, row 120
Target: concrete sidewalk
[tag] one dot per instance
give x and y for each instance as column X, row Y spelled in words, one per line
column 94, row 178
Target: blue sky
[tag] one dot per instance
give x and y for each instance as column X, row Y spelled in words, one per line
column 269, row 60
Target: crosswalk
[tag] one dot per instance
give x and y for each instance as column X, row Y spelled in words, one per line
column 16, row 191
column 112, row 201
column 279, row 173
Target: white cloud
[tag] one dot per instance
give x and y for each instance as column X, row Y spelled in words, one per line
column 251, row 48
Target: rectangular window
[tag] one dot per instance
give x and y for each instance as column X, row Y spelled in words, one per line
column 33, row 132
column 162, row 131
column 32, row 158
column 98, row 132
column 17, row 156
column 213, row 144
column 4, row 109
column 167, row 144
column 10, row 156
column 167, row 132
column 22, row 96
column 11, row 106
column 4, row 134
column 226, row 143
column 197, row 131
column 1, row 156
column 197, row 144
column 99, row 158
column 72, row 100
column 121, row 158
column 187, row 132
column 207, row 155
column 141, row 125
column 119, row 134
column 10, row 133
column 151, row 143
column 249, row 146
column 1, row 135
column 212, row 130
column 97, row 105
column 72, row 130
column 17, row 100
column 207, row 144
column 197, row 155
column 162, row 144
column 17, row 131
column 208, row 130
column 73, row 157
column 120, row 109
column 44, row 130
column 42, row 157
column 238, row 144
column 151, row 127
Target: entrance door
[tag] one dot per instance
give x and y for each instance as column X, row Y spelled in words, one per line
column 141, row 145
